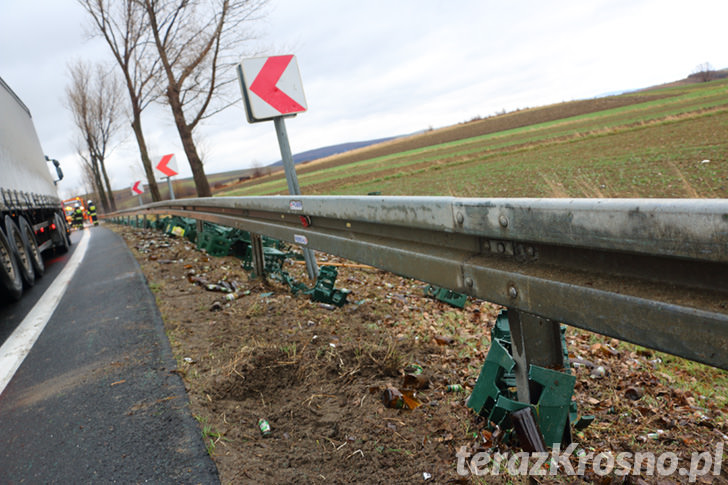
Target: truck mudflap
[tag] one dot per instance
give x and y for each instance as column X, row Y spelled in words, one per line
column 60, row 234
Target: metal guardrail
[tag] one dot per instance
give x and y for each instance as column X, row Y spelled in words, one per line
column 649, row 271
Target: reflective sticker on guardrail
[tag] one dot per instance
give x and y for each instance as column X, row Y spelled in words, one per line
column 303, row 240
column 296, row 205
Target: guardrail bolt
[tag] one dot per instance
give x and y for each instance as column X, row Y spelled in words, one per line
column 503, row 221
column 469, row 282
column 459, row 217
column 512, row 292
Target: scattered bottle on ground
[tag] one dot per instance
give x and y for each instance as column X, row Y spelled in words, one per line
column 392, row 398
column 264, row 427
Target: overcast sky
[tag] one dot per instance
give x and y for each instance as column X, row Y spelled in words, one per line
column 380, row 68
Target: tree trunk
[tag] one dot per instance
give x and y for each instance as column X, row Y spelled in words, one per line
column 99, row 184
column 109, row 191
column 198, row 171
column 185, row 134
column 136, row 125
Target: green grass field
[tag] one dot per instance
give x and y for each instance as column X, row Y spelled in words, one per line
column 654, row 147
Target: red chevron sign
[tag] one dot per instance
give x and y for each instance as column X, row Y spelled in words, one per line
column 272, row 87
column 264, row 85
column 137, row 188
column 166, row 165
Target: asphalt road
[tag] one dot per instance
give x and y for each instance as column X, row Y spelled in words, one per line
column 11, row 314
column 95, row 400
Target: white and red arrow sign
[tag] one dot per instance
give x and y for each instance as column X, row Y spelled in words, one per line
column 167, row 166
column 272, row 87
column 137, row 188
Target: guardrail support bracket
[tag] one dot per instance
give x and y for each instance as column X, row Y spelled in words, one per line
column 256, row 248
column 536, row 341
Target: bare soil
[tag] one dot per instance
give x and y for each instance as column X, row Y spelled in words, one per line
column 317, row 375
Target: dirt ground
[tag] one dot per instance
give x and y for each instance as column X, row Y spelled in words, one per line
column 317, row 374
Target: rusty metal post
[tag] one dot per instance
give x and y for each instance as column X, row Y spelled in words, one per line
column 535, row 340
column 256, row 248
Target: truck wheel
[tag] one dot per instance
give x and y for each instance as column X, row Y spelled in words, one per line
column 9, row 273
column 20, row 249
column 35, row 257
column 62, row 241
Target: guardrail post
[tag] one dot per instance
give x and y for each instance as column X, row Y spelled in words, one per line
column 256, row 248
column 535, row 340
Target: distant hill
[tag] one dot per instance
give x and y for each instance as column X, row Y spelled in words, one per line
column 317, row 153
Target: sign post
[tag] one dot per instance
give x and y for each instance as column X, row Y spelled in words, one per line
column 138, row 189
column 166, row 167
column 272, row 89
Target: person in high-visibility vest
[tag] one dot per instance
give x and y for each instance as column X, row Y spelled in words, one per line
column 91, row 209
column 78, row 217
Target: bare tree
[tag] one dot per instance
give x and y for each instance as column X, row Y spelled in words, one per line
column 257, row 170
column 94, row 96
column 198, row 43
column 88, row 177
column 124, row 26
column 704, row 72
column 92, row 179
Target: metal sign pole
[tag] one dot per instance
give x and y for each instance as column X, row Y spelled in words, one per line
column 293, row 188
column 141, row 202
column 171, row 190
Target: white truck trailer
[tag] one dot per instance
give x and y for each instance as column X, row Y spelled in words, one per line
column 31, row 213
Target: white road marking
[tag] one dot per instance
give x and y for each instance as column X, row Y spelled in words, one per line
column 17, row 346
